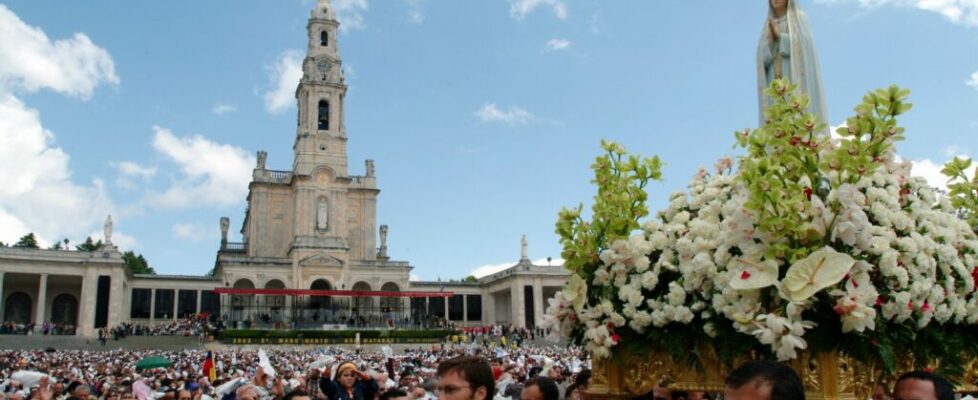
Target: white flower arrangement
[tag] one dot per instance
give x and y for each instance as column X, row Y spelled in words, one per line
column 866, row 252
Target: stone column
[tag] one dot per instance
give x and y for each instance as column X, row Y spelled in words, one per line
column 518, row 314
column 176, row 303
column 152, row 306
column 465, row 310
column 537, row 303
column 286, row 313
column 42, row 296
column 198, row 301
column 118, row 295
column 1, row 293
column 86, row 314
column 447, row 319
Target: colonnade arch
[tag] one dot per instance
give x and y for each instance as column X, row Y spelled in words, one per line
column 17, row 308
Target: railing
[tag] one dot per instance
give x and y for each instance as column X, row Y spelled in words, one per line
column 233, row 247
column 265, row 175
column 280, row 175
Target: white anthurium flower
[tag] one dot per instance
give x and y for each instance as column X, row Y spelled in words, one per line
column 819, row 270
column 576, row 292
column 749, row 274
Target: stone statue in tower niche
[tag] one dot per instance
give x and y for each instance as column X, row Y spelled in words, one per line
column 382, row 253
column 787, row 50
column 262, row 157
column 322, row 215
column 107, row 229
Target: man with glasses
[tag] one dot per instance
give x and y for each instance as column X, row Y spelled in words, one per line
column 465, row 378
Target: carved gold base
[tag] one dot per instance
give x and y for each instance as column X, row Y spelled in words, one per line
column 826, row 376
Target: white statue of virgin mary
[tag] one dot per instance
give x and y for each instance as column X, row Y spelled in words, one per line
column 787, row 50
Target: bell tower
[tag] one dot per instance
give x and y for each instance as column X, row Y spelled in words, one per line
column 321, row 134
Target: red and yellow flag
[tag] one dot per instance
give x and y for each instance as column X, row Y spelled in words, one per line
column 208, row 368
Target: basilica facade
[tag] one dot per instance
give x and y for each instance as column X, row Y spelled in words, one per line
column 311, row 253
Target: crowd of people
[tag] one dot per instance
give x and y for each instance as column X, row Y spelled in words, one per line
column 458, row 372
column 194, row 325
column 47, row 328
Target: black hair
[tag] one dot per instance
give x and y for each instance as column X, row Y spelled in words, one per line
column 570, row 390
column 475, row 370
column 785, row 383
column 942, row 388
column 582, row 378
column 298, row 392
column 390, row 394
column 547, row 387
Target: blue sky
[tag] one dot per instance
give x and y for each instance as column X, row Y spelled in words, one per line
column 483, row 116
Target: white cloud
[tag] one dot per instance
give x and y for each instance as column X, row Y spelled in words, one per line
column 284, row 76
column 124, row 242
column 221, row 109
column 121, row 240
column 519, row 9
column 973, row 81
column 349, row 13
column 413, row 277
column 129, row 168
column 415, row 12
column 489, row 269
column 128, row 171
column 955, row 151
column 30, row 61
column 931, row 171
column 197, row 232
column 211, row 173
column 36, row 191
column 964, row 12
column 558, row 44
column 513, row 116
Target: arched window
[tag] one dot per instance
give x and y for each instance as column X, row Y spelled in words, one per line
column 324, row 39
column 323, row 115
column 319, row 303
column 17, row 308
column 64, row 309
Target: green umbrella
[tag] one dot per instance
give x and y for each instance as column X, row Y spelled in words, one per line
column 152, row 362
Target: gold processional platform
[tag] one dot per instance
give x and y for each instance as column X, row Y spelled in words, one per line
column 826, row 376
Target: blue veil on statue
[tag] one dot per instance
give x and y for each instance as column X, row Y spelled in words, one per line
column 791, row 56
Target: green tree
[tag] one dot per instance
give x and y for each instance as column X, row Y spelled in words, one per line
column 55, row 246
column 89, row 245
column 963, row 190
column 28, row 241
column 137, row 263
column 2, row 244
column 471, row 279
